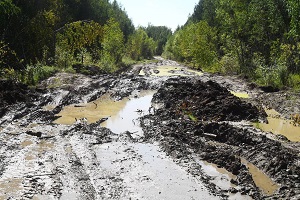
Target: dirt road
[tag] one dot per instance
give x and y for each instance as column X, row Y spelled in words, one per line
column 156, row 131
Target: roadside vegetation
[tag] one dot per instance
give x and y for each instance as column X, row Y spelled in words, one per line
column 41, row 37
column 259, row 39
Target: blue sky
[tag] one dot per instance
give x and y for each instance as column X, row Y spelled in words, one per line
column 170, row 13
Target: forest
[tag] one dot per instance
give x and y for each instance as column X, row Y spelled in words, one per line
column 256, row 38
column 41, row 37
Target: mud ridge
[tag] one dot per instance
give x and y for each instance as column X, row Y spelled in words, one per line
column 194, row 120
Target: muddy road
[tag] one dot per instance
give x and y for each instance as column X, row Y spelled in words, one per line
column 156, row 131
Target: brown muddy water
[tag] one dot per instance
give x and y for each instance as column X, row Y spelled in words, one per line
column 10, row 187
column 122, row 115
column 278, row 125
column 262, row 181
column 221, row 178
column 169, row 70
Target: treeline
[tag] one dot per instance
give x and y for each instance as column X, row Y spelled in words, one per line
column 38, row 37
column 257, row 38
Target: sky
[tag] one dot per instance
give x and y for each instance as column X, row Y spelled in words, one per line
column 170, row 13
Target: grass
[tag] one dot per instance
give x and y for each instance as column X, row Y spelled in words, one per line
column 193, row 118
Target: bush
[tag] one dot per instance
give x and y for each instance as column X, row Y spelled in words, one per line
column 140, row 46
column 294, row 81
column 228, row 64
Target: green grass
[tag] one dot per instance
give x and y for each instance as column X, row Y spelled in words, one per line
column 193, row 118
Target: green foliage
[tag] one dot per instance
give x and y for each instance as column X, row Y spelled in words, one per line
column 58, row 31
column 140, row 46
column 258, row 38
column 294, row 81
column 77, row 41
column 194, row 44
column 31, row 75
column 228, row 64
column 294, row 12
column 193, row 118
column 127, row 61
column 160, row 34
column 113, row 42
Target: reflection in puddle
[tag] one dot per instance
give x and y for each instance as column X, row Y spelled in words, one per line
column 10, row 187
column 261, row 180
column 281, row 126
column 121, row 114
column 242, row 95
column 221, row 177
column 172, row 71
column 93, row 111
column 155, row 176
column 126, row 118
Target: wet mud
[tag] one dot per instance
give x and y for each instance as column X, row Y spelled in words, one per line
column 156, row 131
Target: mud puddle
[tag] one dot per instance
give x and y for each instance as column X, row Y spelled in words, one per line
column 121, row 115
column 278, row 125
column 21, row 168
column 262, row 181
column 10, row 187
column 170, row 70
column 221, row 177
column 155, row 176
column 127, row 118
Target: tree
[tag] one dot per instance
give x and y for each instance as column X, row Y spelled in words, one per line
column 140, row 46
column 113, row 41
column 160, row 34
column 77, row 39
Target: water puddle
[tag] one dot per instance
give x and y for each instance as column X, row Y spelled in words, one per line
column 221, row 177
column 122, row 115
column 155, row 176
column 10, row 188
column 126, row 118
column 277, row 125
column 172, row 71
column 242, row 95
column 36, row 150
column 261, row 180
column 44, row 146
column 26, row 143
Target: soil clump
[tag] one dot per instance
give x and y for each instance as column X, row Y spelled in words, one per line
column 192, row 119
column 195, row 119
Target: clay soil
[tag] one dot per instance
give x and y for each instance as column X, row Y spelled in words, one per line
column 192, row 118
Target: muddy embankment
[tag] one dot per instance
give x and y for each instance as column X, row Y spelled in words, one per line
column 99, row 137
